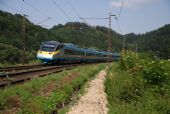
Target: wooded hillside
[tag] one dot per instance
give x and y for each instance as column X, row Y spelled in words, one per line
column 72, row 32
column 155, row 42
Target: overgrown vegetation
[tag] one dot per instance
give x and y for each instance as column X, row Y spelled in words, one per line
column 48, row 94
column 138, row 85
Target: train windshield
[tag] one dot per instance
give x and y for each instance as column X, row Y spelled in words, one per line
column 48, row 47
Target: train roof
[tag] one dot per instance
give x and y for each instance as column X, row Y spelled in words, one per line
column 52, row 42
column 88, row 50
column 72, row 46
column 116, row 54
column 76, row 47
column 69, row 44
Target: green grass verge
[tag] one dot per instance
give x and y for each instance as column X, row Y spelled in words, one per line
column 126, row 94
column 81, row 91
column 19, row 64
column 26, row 98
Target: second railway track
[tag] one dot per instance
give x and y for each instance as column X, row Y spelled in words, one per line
column 10, row 78
column 17, row 68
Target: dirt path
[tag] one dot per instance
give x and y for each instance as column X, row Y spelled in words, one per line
column 94, row 101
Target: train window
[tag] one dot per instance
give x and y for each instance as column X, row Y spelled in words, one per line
column 48, row 47
column 99, row 55
column 90, row 54
column 80, row 53
column 73, row 52
column 59, row 47
column 66, row 51
column 104, row 55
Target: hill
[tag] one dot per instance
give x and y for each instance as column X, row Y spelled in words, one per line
column 72, row 32
column 155, row 42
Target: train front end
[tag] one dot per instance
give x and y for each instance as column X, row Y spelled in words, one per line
column 48, row 52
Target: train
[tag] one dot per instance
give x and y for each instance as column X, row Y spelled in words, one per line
column 63, row 53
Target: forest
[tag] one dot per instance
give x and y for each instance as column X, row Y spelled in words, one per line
column 154, row 42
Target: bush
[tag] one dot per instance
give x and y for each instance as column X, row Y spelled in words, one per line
column 163, row 107
column 132, row 89
column 128, row 60
column 129, row 93
column 155, row 73
column 9, row 54
column 12, row 55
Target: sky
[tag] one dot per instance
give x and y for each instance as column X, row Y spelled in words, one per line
column 137, row 16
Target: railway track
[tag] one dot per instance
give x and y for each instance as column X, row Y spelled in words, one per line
column 26, row 73
column 25, row 67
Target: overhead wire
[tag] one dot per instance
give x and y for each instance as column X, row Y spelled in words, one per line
column 76, row 12
column 78, row 15
column 118, row 24
column 15, row 10
column 95, row 18
column 62, row 10
column 124, row 37
column 121, row 8
column 43, row 20
column 39, row 11
column 73, row 8
column 117, row 21
column 84, row 19
column 11, row 7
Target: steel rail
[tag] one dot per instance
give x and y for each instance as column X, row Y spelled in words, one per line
column 16, row 68
column 22, row 76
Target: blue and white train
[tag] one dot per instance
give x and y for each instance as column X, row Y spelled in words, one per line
column 55, row 52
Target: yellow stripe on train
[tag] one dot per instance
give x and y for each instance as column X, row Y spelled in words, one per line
column 48, row 53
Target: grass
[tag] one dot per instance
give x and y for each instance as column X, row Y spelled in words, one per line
column 19, row 64
column 28, row 99
column 27, row 91
column 127, row 94
column 81, row 90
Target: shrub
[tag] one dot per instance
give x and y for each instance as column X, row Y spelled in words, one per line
column 131, row 94
column 9, row 54
column 128, row 60
column 162, row 106
column 155, row 73
column 132, row 89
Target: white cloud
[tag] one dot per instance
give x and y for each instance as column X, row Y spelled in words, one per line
column 129, row 3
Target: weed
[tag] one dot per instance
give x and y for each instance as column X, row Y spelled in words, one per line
column 138, row 85
column 29, row 95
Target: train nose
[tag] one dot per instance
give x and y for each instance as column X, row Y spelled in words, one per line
column 42, row 55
